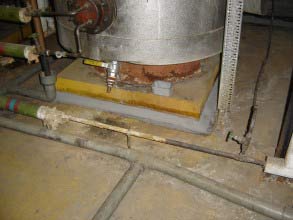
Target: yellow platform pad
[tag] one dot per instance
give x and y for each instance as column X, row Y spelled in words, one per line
column 188, row 97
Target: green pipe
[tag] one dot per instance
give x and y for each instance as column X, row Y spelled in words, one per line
column 14, row 14
column 18, row 106
column 19, row 51
column 12, row 50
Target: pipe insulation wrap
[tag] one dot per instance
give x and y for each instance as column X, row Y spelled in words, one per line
column 18, row 106
column 250, row 202
column 52, row 118
column 14, row 14
column 19, row 51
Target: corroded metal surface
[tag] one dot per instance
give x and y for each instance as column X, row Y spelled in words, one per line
column 147, row 74
column 100, row 12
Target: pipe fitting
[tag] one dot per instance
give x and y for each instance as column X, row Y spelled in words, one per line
column 48, row 80
column 48, row 83
column 112, row 68
column 112, row 74
column 279, row 166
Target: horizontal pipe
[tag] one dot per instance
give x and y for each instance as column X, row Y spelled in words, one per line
column 26, row 74
column 41, row 96
column 14, row 14
column 41, row 13
column 250, row 202
column 19, row 51
column 129, row 132
column 113, row 200
column 47, row 80
column 18, row 106
column 46, row 96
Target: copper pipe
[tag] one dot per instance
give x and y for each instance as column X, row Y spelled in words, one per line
column 38, row 26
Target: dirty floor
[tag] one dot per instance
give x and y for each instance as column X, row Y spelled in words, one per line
column 45, row 180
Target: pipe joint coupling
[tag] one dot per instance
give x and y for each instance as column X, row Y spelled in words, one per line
column 48, row 80
column 48, row 83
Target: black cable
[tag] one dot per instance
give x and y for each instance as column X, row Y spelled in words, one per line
column 245, row 141
column 265, row 61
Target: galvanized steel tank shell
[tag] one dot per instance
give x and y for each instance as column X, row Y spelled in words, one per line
column 153, row 32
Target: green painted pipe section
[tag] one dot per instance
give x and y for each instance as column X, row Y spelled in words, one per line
column 14, row 50
column 18, row 106
column 14, row 14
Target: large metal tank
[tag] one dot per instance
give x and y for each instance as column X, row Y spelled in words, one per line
column 153, row 32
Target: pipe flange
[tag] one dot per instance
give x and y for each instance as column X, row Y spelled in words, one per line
column 48, row 80
column 101, row 13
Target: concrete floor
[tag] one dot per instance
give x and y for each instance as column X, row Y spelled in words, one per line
column 42, row 180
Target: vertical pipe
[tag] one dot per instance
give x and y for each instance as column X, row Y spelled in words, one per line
column 280, row 166
column 18, row 106
column 38, row 26
column 43, row 5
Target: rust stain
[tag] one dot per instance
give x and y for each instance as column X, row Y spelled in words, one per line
column 147, row 74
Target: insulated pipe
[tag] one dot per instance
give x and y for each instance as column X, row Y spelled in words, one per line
column 18, row 106
column 250, row 202
column 14, row 14
column 19, row 51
